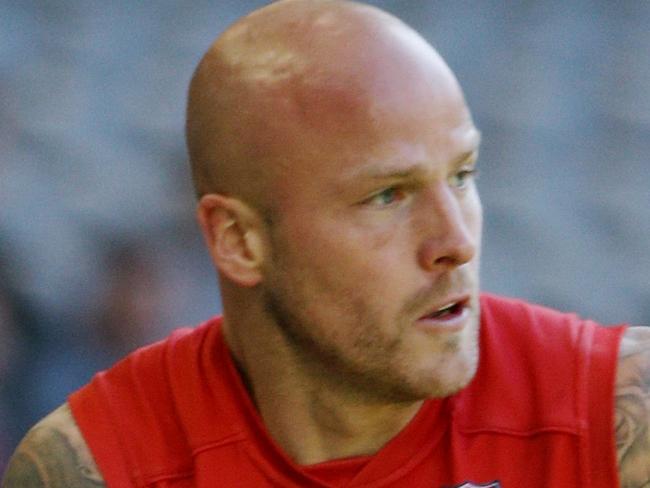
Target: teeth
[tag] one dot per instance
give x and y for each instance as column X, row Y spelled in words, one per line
column 446, row 307
column 450, row 308
column 443, row 311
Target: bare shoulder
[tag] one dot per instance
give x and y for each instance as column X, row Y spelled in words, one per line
column 53, row 454
column 633, row 408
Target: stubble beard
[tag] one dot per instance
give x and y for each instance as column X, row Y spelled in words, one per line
column 371, row 377
column 368, row 380
column 325, row 361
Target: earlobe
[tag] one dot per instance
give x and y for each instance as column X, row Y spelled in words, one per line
column 232, row 233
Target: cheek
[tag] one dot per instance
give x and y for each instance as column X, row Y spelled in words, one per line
column 343, row 268
column 473, row 213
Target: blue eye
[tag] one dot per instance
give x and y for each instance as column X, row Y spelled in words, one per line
column 386, row 197
column 462, row 178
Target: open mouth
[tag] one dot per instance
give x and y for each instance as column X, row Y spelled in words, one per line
column 450, row 310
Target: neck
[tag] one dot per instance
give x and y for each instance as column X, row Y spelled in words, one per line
column 311, row 419
column 325, row 428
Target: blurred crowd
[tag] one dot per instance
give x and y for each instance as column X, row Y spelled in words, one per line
column 44, row 356
column 99, row 252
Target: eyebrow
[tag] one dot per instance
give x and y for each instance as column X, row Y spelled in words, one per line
column 389, row 173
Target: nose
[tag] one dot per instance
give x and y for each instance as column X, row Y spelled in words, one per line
column 451, row 230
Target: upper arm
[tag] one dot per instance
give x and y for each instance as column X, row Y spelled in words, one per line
column 53, row 454
column 633, row 409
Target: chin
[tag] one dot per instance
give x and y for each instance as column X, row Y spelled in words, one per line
column 453, row 387
column 450, row 377
column 434, row 385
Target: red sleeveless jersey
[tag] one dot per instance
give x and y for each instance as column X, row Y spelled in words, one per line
column 539, row 413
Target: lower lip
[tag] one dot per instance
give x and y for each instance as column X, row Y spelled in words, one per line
column 446, row 324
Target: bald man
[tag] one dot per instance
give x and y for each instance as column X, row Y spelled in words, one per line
column 333, row 156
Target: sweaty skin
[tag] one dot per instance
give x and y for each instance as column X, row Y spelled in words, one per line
column 332, row 152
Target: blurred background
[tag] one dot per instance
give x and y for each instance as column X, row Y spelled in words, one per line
column 99, row 252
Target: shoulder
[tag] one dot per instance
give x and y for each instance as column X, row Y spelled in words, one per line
column 633, row 408
column 526, row 327
column 53, row 454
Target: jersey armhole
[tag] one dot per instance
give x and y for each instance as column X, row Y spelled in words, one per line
column 599, row 383
column 98, row 432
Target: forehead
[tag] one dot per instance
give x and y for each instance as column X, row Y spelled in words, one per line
column 341, row 169
column 415, row 157
column 382, row 105
column 431, row 126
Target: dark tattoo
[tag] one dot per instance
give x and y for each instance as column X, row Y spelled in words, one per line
column 53, row 455
column 633, row 409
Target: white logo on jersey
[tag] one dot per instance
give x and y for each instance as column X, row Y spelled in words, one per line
column 494, row 484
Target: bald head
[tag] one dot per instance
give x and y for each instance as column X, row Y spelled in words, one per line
column 294, row 74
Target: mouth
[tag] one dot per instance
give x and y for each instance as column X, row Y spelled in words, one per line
column 447, row 311
column 451, row 315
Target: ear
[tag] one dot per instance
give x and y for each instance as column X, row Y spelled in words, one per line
column 233, row 233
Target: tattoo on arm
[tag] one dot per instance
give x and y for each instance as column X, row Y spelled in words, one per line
column 633, row 409
column 53, row 455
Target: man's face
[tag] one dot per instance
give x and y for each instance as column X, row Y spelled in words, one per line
column 376, row 227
